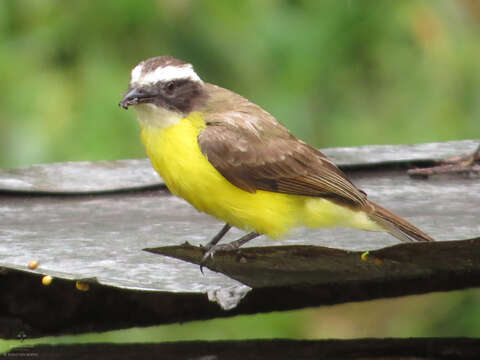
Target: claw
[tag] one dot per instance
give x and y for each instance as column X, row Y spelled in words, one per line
column 212, row 248
column 208, row 254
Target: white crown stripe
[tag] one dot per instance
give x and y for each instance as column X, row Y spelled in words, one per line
column 166, row 73
column 136, row 73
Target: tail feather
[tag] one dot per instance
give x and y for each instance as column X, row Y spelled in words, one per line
column 396, row 226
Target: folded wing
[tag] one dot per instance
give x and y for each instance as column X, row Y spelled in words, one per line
column 254, row 152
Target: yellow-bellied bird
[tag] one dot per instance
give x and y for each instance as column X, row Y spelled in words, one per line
column 231, row 159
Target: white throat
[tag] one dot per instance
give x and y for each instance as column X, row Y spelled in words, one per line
column 149, row 115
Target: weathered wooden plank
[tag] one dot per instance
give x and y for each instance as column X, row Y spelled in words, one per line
column 81, row 177
column 390, row 154
column 284, row 266
column 36, row 310
column 101, row 236
column 392, row 349
column 102, row 176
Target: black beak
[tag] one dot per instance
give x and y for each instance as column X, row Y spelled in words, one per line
column 133, row 97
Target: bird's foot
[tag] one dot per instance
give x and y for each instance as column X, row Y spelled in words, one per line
column 211, row 250
column 219, row 247
column 231, row 246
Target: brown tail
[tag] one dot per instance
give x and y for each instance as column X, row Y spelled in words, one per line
column 396, row 226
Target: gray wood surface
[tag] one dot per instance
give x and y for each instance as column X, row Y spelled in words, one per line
column 80, row 222
column 101, row 176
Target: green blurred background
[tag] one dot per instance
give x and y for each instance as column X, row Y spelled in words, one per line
column 337, row 73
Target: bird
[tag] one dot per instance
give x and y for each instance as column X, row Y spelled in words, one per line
column 233, row 160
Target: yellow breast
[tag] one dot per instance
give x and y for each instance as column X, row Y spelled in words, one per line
column 176, row 156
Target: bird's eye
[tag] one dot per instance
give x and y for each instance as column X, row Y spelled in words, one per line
column 170, row 86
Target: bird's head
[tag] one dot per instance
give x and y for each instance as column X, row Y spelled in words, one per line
column 165, row 86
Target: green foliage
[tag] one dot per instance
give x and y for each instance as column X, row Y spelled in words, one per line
column 336, row 72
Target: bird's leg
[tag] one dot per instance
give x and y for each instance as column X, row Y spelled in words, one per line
column 217, row 237
column 234, row 245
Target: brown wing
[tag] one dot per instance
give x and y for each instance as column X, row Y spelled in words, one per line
column 254, row 152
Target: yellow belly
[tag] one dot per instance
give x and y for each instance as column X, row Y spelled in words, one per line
column 176, row 156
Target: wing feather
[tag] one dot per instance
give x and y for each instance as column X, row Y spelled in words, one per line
column 255, row 152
